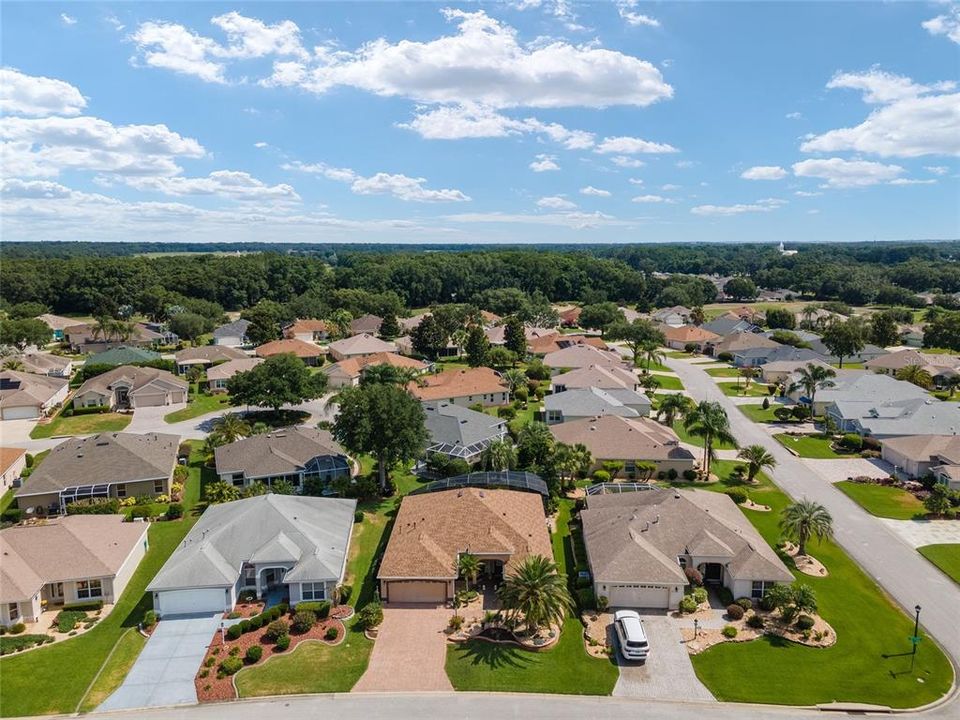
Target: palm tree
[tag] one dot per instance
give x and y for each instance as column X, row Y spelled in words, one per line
column 915, row 374
column 537, row 592
column 757, row 459
column 229, row 428
column 803, row 520
column 709, row 421
column 340, row 320
column 582, row 459
column 652, row 354
column 123, row 329
column 697, row 316
column 102, row 328
column 673, row 407
column 13, row 363
column 459, row 339
column 514, row 378
column 747, row 373
column 384, row 374
column 807, row 314
column 468, row 566
column 499, row 455
column 951, row 383
column 813, row 377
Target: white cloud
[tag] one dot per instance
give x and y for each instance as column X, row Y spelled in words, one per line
column 652, row 199
column 627, row 162
column 813, row 212
column 840, row 173
column 684, row 164
column 912, row 120
column 261, row 145
column 632, row 146
column 764, row 172
column 912, row 181
column 947, row 24
column 635, row 181
column 728, row 210
column 22, row 94
column 627, row 10
column 575, row 220
column 67, row 19
column 46, row 146
column 595, row 192
column 794, row 116
column 33, row 189
column 937, row 169
column 484, row 63
column 544, row 163
column 556, row 202
column 669, row 187
column 402, row 187
column 115, row 22
column 222, row 183
column 806, row 193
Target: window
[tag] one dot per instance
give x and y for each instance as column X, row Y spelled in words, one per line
column 682, row 561
column 87, row 589
column 759, row 588
column 313, row 591
column 121, row 490
column 158, row 486
column 13, row 610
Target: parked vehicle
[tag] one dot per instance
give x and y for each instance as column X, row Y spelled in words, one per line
column 630, row 633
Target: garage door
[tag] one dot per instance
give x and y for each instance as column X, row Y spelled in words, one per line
column 416, row 592
column 20, row 413
column 145, row 400
column 190, row 602
column 639, row 596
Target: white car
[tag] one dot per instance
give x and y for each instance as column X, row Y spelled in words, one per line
column 630, row 633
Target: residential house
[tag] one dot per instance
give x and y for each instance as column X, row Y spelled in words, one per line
column 41, row 363
column 584, row 403
column 729, row 324
column 123, row 355
column 409, row 324
column 892, row 418
column 308, row 352
column 581, row 356
column 570, row 317
column 84, row 339
column 308, row 330
column 734, row 342
column 629, row 314
column 911, row 335
column 359, row 346
column 459, row 432
column 12, row 463
column 761, row 356
column 206, row 355
column 24, row 396
column 868, row 353
column 780, row 371
column 233, row 334
column 71, row 559
column 219, row 375
column 464, row 387
column 640, row 543
column 347, row 373
column 57, row 324
column 857, row 386
column 916, row 456
column 129, row 386
column 105, row 465
column 502, row 528
column 673, row 316
column 366, row 324
column 288, row 546
column 678, row 338
column 604, row 377
column 490, row 318
column 496, row 335
column 552, row 343
column 940, row 367
column 294, row 454
column 628, row 440
column 777, row 295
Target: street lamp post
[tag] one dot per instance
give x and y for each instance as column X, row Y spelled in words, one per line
column 915, row 639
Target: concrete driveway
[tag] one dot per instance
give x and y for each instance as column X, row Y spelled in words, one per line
column 163, row 674
column 667, row 674
column 841, row 469
column 410, row 652
column 13, row 433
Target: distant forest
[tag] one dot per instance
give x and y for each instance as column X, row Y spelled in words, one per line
column 97, row 278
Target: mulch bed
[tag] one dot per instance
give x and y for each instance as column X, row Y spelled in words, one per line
column 214, row 689
column 708, row 637
column 247, row 610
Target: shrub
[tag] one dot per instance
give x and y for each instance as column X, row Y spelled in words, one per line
column 234, row 632
column 17, row 628
column 851, row 441
column 67, row 620
column 150, row 618
column 688, row 604
column 725, row 357
column 11, row 515
column 94, row 506
column 209, row 662
column 745, row 602
column 254, row 623
column 456, row 622
column 691, row 348
column 254, row 653
column 302, row 621
column 174, row 511
column 276, row 630
column 320, row 608
column 726, row 597
column 765, row 404
column 231, row 666
column 94, row 606
column 871, row 443
column 601, row 476
column 283, row 642
column 805, row 622
column 671, row 474
column 755, row 621
column 700, row 595
column 141, row 511
column 358, row 516
column 371, row 615
column 585, row 598
column 694, row 576
column 21, row 642
column 331, row 634
column 344, row 592
column 282, row 609
column 234, row 651
column 689, row 475
column 767, row 603
column 738, row 494
column 734, row 612
column 729, row 631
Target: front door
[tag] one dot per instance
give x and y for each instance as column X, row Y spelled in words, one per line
column 712, row 574
column 123, row 397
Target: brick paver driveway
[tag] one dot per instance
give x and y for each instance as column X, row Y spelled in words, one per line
column 410, row 652
column 667, row 674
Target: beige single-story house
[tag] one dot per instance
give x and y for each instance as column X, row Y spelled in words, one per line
column 462, row 387
column 41, row 363
column 673, row 316
column 347, row 373
column 308, row 352
column 66, row 560
column 585, row 403
column 218, row 375
column 628, row 440
column 640, row 543
column 915, row 456
column 205, row 355
column 581, row 356
column 24, row 396
column 129, row 386
column 432, row 530
column 781, row 371
column 366, row 324
column 677, row 338
column 596, row 376
column 291, row 544
column 56, row 323
column 308, row 330
column 552, row 343
column 106, row 465
column 940, row 367
column 359, row 346
column 12, row 463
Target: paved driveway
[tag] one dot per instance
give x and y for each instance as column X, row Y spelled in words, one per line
column 16, row 432
column 667, row 674
column 410, row 651
column 917, row 533
column 844, row 468
column 163, row 674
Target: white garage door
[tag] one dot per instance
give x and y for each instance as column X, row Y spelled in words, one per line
column 189, row 602
column 20, row 413
column 416, row 592
column 151, row 400
column 639, row 596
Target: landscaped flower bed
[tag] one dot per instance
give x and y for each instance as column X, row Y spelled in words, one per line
column 820, row 634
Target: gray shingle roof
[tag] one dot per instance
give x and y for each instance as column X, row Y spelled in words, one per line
column 584, row 402
column 313, row 533
column 19, row 389
column 916, row 416
column 868, row 387
column 278, row 452
column 237, row 328
column 455, row 425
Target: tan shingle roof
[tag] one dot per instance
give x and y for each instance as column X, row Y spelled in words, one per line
column 611, row 437
column 278, row 452
column 353, row 366
column 306, row 326
column 688, row 333
column 300, row 348
column 906, row 358
column 227, row 370
column 18, row 389
column 578, row 356
column 551, row 343
column 432, row 529
column 8, row 456
column 605, row 378
column 743, row 341
column 138, row 377
column 209, row 353
column 458, row 383
column 42, row 363
column 56, row 322
column 362, row 344
column 923, row 448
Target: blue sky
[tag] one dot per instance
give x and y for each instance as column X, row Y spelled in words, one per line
column 525, row 121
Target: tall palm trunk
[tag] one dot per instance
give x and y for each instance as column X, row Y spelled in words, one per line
column 382, row 472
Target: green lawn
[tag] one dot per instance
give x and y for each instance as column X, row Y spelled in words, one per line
column 686, row 437
column 727, row 372
column 883, row 500
column 55, row 679
column 850, row 365
column 677, row 354
column 200, row 404
column 732, row 389
column 668, row 382
column 868, row 664
column 757, row 414
column 652, row 366
column 81, row 425
column 816, row 447
column 946, row 557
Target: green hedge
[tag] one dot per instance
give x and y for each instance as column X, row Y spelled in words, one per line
column 94, row 506
column 321, row 608
column 16, row 643
column 92, row 605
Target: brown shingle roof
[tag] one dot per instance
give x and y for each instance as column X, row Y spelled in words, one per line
column 362, row 344
column 610, row 437
column 605, row 378
column 458, row 383
column 577, row 356
column 688, row 333
column 300, row 348
column 8, row 456
column 138, row 377
column 209, row 354
column 227, row 370
column 278, row 452
column 432, row 529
